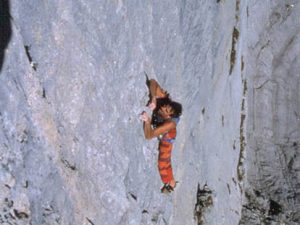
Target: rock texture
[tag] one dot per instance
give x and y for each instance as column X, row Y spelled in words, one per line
column 273, row 117
column 72, row 85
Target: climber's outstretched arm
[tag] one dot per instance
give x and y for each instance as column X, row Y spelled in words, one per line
column 155, row 90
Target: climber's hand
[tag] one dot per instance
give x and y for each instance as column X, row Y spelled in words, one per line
column 152, row 105
column 145, row 117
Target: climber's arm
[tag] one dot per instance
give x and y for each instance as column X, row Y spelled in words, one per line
column 155, row 90
column 150, row 133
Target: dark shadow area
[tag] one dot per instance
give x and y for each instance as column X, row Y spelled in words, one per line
column 148, row 85
column 275, row 208
column 5, row 28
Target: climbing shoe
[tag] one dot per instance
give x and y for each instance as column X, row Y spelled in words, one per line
column 170, row 188
column 165, row 189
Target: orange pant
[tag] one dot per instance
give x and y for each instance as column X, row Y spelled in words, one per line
column 164, row 161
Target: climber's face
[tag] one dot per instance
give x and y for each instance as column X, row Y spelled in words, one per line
column 165, row 111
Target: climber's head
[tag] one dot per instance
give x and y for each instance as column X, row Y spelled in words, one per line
column 177, row 109
column 169, row 109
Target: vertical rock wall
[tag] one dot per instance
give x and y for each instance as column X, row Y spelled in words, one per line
column 72, row 86
column 272, row 193
column 212, row 93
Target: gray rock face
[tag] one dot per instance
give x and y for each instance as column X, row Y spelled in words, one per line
column 72, row 86
column 273, row 117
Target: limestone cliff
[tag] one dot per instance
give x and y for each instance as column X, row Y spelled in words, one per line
column 72, row 86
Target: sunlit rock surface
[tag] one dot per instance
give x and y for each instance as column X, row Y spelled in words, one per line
column 72, row 86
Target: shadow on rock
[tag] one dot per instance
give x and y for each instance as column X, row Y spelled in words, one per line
column 5, row 29
column 204, row 202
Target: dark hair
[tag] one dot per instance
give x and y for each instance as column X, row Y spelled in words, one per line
column 177, row 107
column 156, row 120
column 162, row 101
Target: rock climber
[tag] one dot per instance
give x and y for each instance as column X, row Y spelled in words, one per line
column 162, row 124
